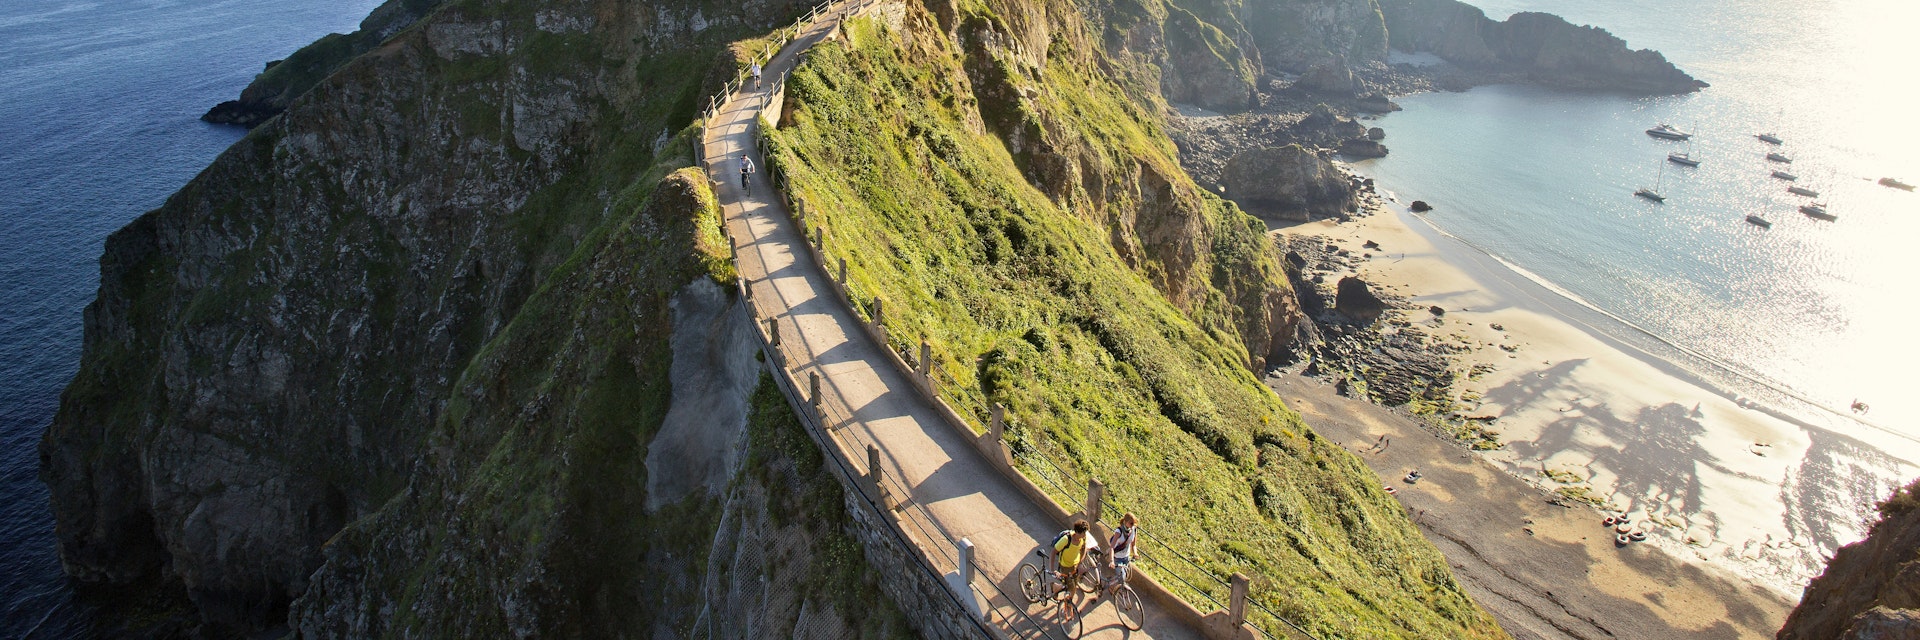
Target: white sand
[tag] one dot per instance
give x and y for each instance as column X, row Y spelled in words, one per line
column 1732, row 486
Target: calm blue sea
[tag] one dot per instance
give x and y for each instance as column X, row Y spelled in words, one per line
column 1805, row 317
column 99, row 107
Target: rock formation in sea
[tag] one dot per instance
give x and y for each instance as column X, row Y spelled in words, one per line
column 1545, row 47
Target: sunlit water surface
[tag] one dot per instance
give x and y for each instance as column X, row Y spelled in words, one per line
column 1803, row 318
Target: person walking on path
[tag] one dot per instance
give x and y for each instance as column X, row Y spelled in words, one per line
column 755, row 72
column 746, row 173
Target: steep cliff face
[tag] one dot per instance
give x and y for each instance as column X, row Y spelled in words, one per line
column 1871, row 588
column 1298, row 35
column 1547, row 48
column 284, row 80
column 280, row 349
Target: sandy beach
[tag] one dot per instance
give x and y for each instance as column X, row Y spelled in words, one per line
column 1717, row 481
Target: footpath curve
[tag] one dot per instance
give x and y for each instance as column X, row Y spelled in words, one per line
column 937, row 484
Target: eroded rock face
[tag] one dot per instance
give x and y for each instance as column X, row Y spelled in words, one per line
column 1871, row 588
column 1297, row 35
column 271, row 349
column 284, row 80
column 1545, row 47
column 1288, row 183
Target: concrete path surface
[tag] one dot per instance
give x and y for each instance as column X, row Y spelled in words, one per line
column 953, row 491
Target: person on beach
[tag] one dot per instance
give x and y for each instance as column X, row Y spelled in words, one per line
column 1120, row 550
column 746, row 172
column 755, row 72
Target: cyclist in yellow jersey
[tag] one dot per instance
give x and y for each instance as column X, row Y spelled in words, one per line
column 1067, row 552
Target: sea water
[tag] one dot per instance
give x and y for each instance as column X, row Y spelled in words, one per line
column 99, row 107
column 1802, row 319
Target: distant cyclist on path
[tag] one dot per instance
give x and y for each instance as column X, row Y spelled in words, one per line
column 746, row 173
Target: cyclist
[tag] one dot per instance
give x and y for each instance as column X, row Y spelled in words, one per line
column 746, row 171
column 1120, row 550
column 1068, row 550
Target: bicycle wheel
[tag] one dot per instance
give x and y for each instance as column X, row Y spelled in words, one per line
column 1073, row 624
column 1090, row 579
column 1031, row 585
column 1132, row 612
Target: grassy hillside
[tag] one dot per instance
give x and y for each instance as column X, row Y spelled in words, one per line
column 929, row 166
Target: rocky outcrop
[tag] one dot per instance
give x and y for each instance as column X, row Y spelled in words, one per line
column 1287, row 183
column 1546, row 48
column 1355, row 300
column 283, row 80
column 1297, row 35
column 1871, row 588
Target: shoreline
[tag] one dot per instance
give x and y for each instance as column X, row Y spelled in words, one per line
column 1728, row 483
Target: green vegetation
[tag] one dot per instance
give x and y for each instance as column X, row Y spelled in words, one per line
column 781, row 456
column 1051, row 295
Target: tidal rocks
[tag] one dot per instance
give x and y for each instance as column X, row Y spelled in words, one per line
column 1544, row 47
column 1420, row 206
column 1376, row 133
column 1363, row 148
column 1354, row 299
column 1288, row 183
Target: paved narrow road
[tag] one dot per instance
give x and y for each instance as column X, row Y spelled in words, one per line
column 955, row 493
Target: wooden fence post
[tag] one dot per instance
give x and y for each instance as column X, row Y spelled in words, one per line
column 1095, row 491
column 1237, row 603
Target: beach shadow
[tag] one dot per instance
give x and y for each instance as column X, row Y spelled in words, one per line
column 1825, row 493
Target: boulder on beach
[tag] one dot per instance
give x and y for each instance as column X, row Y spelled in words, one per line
column 1355, row 299
column 1420, row 206
column 1436, row 310
column 1288, row 183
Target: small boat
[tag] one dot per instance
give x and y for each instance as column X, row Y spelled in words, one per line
column 1785, row 176
column 1768, row 138
column 1817, row 211
column 1654, row 193
column 1681, row 158
column 1803, row 191
column 1778, row 157
column 1668, row 132
column 1759, row 222
column 1890, row 182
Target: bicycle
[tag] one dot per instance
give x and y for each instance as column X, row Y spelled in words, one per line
column 1126, row 602
column 1039, row 580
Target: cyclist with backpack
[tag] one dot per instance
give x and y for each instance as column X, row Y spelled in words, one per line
column 746, row 172
column 1068, row 549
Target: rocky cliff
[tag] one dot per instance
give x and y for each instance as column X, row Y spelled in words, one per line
column 1871, row 588
column 1545, row 47
column 284, row 80
column 399, row 355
